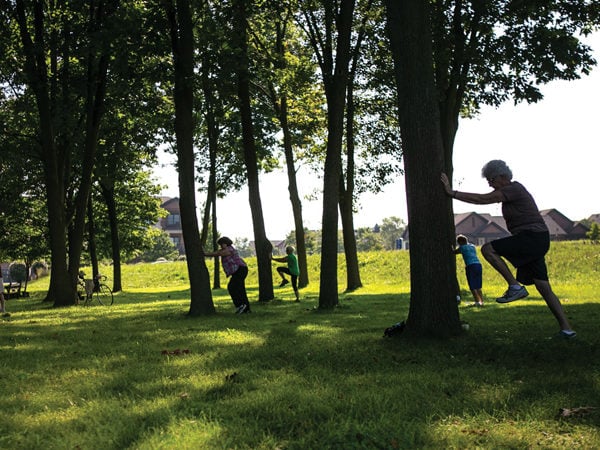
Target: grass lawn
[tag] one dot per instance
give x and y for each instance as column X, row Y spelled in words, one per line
column 141, row 374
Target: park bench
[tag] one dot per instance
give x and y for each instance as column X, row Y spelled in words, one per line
column 12, row 289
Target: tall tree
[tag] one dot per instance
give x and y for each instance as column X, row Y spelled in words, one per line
column 262, row 245
column 179, row 16
column 286, row 76
column 65, row 55
column 433, row 309
column 330, row 36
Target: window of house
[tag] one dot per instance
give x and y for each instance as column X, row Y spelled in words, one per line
column 173, row 219
column 175, row 241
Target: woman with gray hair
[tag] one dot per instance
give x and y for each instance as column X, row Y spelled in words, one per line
column 528, row 245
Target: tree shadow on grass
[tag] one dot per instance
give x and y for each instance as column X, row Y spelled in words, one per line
column 298, row 371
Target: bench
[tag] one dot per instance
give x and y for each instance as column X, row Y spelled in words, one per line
column 12, row 290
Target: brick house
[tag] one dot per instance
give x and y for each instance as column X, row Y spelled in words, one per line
column 172, row 223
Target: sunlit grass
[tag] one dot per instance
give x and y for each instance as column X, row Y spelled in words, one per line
column 289, row 376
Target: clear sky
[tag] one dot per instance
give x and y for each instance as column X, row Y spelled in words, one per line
column 552, row 147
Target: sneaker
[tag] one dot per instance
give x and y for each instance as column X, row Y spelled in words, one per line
column 283, row 283
column 567, row 334
column 240, row 309
column 513, row 294
column 475, row 304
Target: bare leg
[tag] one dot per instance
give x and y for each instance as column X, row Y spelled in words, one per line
column 477, row 295
column 498, row 263
column 2, row 305
column 553, row 303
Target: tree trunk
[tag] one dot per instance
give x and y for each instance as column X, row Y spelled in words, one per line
column 61, row 290
column 262, row 245
column 91, row 227
column 182, row 41
column 213, row 139
column 109, row 199
column 353, row 280
column 293, row 190
column 97, row 72
column 335, row 81
column 433, row 309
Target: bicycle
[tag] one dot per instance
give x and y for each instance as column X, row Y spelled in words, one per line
column 94, row 289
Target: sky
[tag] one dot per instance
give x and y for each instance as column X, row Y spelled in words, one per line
column 552, row 148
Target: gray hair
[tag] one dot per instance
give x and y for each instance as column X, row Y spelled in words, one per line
column 496, row 168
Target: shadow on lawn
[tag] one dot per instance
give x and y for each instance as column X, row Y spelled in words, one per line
column 502, row 367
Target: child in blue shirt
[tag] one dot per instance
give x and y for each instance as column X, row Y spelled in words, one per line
column 473, row 268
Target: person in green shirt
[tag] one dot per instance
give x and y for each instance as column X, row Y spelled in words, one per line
column 292, row 269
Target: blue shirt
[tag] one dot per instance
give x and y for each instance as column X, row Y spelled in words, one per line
column 469, row 254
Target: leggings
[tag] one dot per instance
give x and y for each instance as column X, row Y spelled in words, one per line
column 237, row 287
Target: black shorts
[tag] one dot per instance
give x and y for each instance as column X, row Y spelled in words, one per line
column 526, row 251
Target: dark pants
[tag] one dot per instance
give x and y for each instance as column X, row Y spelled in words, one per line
column 237, row 287
column 294, row 278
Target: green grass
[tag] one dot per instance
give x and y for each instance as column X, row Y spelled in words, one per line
column 288, row 376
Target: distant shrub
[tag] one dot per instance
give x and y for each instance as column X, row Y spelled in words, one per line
column 39, row 269
column 17, row 272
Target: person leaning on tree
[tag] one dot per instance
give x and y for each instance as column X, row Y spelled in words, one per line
column 235, row 268
column 528, row 244
column 292, row 269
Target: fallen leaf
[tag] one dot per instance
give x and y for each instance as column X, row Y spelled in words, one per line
column 576, row 412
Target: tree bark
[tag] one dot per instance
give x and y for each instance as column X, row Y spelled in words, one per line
column 262, row 245
column 182, row 41
column 335, row 82
column 62, row 290
column 213, row 139
column 353, row 280
column 433, row 308
column 294, row 196
column 108, row 195
column 91, row 227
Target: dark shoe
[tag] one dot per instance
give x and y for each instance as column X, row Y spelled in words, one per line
column 567, row 334
column 240, row 309
column 283, row 282
column 513, row 294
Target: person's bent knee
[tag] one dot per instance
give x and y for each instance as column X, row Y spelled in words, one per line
column 487, row 249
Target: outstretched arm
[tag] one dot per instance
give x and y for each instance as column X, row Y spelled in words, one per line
column 220, row 252
column 478, row 199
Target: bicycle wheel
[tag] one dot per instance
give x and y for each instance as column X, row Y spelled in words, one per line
column 104, row 295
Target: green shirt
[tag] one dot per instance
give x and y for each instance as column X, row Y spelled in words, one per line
column 292, row 263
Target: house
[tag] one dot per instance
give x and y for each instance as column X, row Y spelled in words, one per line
column 482, row 228
column 172, row 226
column 562, row 228
column 594, row 218
column 172, row 223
